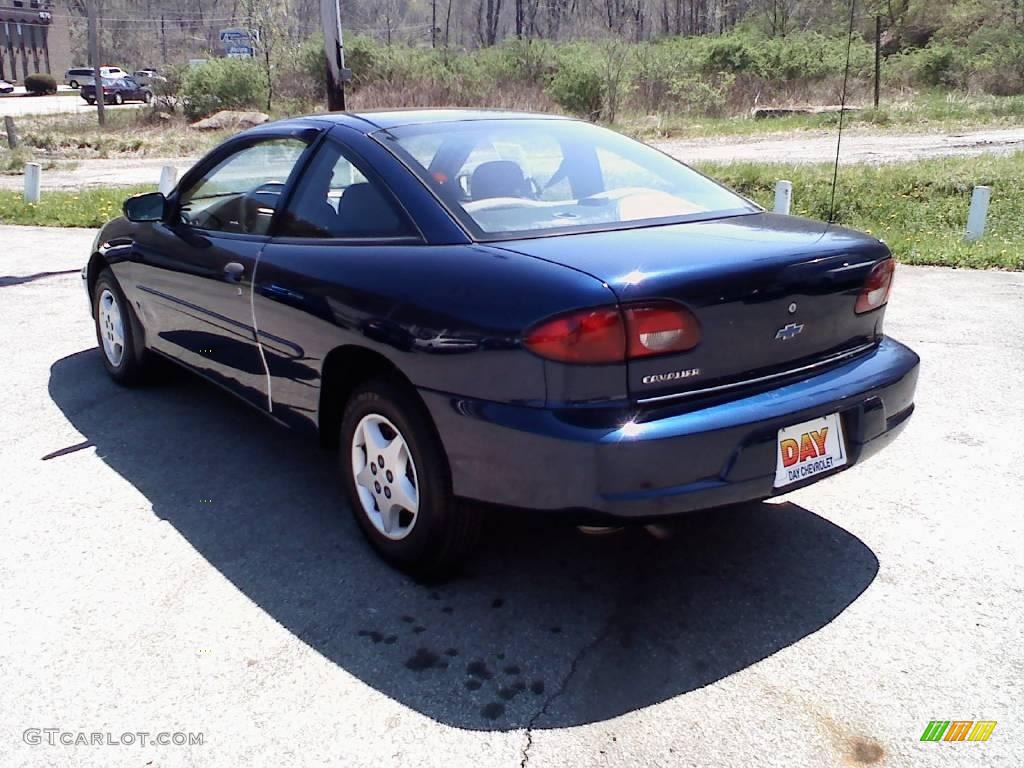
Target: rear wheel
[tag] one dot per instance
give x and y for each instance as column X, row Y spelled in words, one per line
column 123, row 358
column 73, row 84
column 90, row 102
column 147, row 96
column 396, row 475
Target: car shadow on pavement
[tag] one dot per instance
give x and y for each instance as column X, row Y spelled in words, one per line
column 548, row 628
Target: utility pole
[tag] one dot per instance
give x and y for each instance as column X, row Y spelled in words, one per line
column 433, row 23
column 878, row 60
column 94, row 54
column 334, row 50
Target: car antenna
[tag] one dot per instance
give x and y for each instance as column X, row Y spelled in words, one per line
column 842, row 112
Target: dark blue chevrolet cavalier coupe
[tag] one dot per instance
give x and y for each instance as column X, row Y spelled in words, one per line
column 517, row 309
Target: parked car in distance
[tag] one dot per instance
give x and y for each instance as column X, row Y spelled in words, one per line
column 522, row 310
column 6, row 87
column 118, row 92
column 148, row 77
column 76, row 77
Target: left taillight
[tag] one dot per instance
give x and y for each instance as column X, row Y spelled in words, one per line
column 659, row 329
column 587, row 336
column 615, row 334
column 877, row 287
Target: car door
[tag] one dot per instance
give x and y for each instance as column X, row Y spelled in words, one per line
column 130, row 89
column 194, row 270
column 317, row 283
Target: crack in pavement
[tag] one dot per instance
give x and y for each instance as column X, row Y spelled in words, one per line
column 7, row 281
column 577, row 659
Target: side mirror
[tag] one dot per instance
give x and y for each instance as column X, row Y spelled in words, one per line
column 151, row 206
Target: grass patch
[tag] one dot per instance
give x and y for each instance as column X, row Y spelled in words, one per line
column 919, row 209
column 86, row 208
column 128, row 133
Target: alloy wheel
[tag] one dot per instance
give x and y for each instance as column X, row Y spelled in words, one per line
column 385, row 476
column 111, row 326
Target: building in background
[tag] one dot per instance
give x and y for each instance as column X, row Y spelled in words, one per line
column 33, row 38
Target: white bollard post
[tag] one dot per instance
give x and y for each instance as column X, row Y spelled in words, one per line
column 33, row 175
column 978, row 216
column 783, row 196
column 168, row 178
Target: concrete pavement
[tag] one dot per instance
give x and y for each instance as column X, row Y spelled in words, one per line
column 66, row 102
column 169, row 561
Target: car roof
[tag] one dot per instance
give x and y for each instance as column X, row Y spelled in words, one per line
column 370, row 121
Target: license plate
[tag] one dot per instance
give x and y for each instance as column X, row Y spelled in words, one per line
column 808, row 449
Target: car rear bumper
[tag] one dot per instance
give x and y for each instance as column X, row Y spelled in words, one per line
column 672, row 460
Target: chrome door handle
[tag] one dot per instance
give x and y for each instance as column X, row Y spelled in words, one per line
column 234, row 271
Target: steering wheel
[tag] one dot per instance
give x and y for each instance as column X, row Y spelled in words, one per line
column 250, row 205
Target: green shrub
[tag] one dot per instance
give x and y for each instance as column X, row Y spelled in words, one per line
column 223, row 84
column 167, row 93
column 40, row 82
column 362, row 56
column 704, row 95
column 997, row 58
column 938, row 64
column 730, row 55
column 578, row 85
column 300, row 77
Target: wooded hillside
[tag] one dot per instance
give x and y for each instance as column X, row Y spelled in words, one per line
column 596, row 58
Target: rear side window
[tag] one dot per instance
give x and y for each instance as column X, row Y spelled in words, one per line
column 334, row 199
column 523, row 177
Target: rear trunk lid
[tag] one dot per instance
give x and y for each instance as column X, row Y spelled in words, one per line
column 773, row 294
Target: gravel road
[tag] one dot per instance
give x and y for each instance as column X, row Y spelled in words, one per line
column 169, row 561
column 820, row 147
column 805, row 147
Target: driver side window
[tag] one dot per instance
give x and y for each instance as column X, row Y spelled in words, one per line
column 241, row 193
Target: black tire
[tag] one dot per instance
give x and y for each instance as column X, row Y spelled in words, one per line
column 73, row 85
column 446, row 530
column 90, row 102
column 118, row 99
column 134, row 363
column 147, row 96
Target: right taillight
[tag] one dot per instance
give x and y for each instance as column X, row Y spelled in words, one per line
column 615, row 334
column 875, row 292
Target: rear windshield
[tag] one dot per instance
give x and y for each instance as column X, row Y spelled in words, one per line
column 521, row 178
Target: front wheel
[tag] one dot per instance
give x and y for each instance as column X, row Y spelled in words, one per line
column 147, row 96
column 396, row 475
column 118, row 99
column 124, row 360
column 73, row 85
column 90, row 102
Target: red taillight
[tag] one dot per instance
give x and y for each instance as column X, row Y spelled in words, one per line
column 588, row 336
column 877, row 287
column 657, row 329
column 611, row 335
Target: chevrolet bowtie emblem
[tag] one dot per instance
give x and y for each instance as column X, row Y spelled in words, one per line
column 791, row 331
